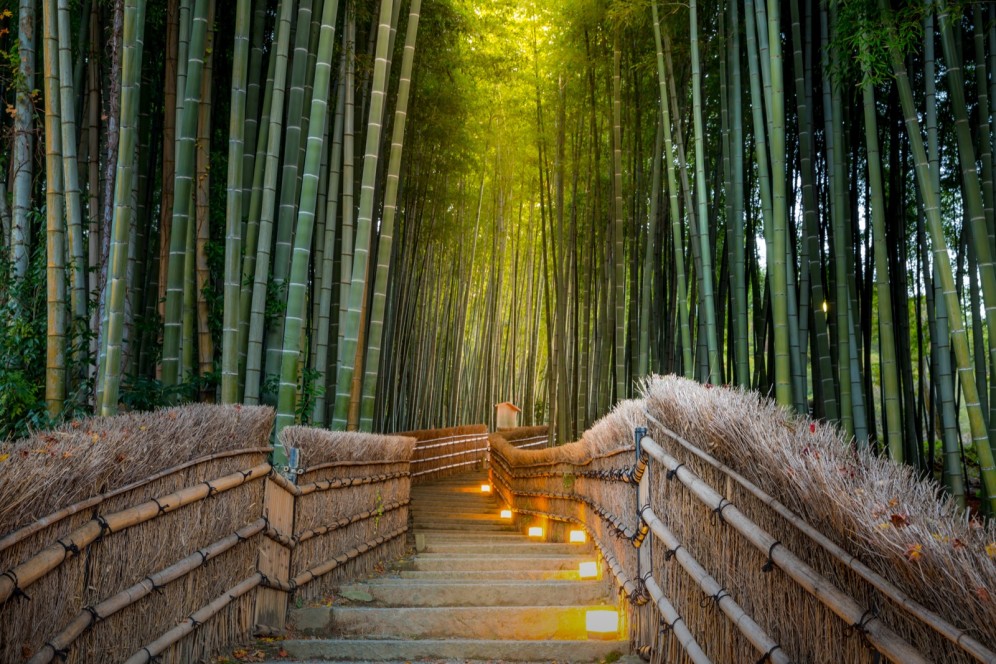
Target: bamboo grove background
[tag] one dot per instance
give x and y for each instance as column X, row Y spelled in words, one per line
column 230, row 202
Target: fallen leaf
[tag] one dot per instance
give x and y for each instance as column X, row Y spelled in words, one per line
column 4, row 457
column 900, row 520
column 982, row 594
column 914, row 553
column 991, row 550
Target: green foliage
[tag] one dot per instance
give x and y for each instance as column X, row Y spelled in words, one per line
column 311, row 389
column 22, row 350
column 867, row 34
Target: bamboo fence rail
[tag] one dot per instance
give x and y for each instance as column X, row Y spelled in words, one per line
column 441, row 452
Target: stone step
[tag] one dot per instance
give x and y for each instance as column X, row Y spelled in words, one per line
column 505, row 548
column 390, row 650
column 442, row 524
column 438, row 593
column 476, row 562
column 518, row 623
column 494, row 575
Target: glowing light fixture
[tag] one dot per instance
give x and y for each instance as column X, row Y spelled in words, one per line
column 588, row 570
column 485, row 488
column 602, row 623
column 535, row 531
column 506, row 514
column 578, row 537
column 826, row 307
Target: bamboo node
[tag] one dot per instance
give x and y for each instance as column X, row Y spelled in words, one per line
column 770, row 565
column 673, row 472
column 766, row 657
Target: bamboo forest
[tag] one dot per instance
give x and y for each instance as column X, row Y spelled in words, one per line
column 384, row 215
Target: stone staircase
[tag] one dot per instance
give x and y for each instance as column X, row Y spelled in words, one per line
column 477, row 589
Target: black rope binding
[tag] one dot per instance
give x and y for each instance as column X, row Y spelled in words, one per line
column 58, row 654
column 245, row 474
column 71, row 549
column 673, row 472
column 162, row 509
column 861, row 627
column 766, row 657
column 669, row 553
column 770, row 565
column 720, row 594
column 18, row 591
column 194, row 622
column 668, row 626
column 155, row 586
column 212, row 490
column 93, row 614
column 723, row 504
column 105, row 528
column 151, row 657
column 204, row 557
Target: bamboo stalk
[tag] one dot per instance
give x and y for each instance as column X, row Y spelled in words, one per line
column 957, row 636
column 20, row 534
column 130, row 596
column 878, row 633
column 21, row 576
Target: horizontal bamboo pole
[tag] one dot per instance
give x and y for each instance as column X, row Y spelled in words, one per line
column 324, row 568
column 330, row 485
column 21, row 576
column 451, row 440
column 130, row 596
column 350, row 464
column 540, row 464
column 13, row 537
column 284, row 483
column 712, row 588
column 475, row 450
column 957, row 636
column 446, row 467
column 875, row 630
column 292, row 541
column 196, row 619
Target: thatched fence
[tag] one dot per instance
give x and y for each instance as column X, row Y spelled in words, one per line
column 527, row 437
column 169, row 537
column 442, row 452
column 738, row 532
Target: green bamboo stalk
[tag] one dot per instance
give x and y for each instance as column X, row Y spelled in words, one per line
column 23, row 163
column 70, row 168
column 348, row 386
column 131, row 76
column 673, row 207
column 183, row 192
column 55, row 221
column 384, row 247
column 233, row 216
column 264, row 238
column 298, row 285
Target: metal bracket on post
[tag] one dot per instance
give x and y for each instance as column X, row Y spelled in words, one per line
column 293, row 467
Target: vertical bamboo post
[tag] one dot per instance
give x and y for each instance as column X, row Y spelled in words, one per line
column 274, row 558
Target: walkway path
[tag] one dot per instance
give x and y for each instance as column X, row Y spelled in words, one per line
column 480, row 590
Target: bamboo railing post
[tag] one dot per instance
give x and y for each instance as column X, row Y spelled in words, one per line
column 275, row 558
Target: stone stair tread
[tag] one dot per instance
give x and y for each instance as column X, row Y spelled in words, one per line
column 452, row 650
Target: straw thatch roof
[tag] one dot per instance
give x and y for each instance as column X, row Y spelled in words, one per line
column 320, row 446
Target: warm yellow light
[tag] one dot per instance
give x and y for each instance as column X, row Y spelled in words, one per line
column 588, row 570
column 602, row 624
column 826, row 307
column 535, row 531
column 506, row 514
column 485, row 488
column 577, row 536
